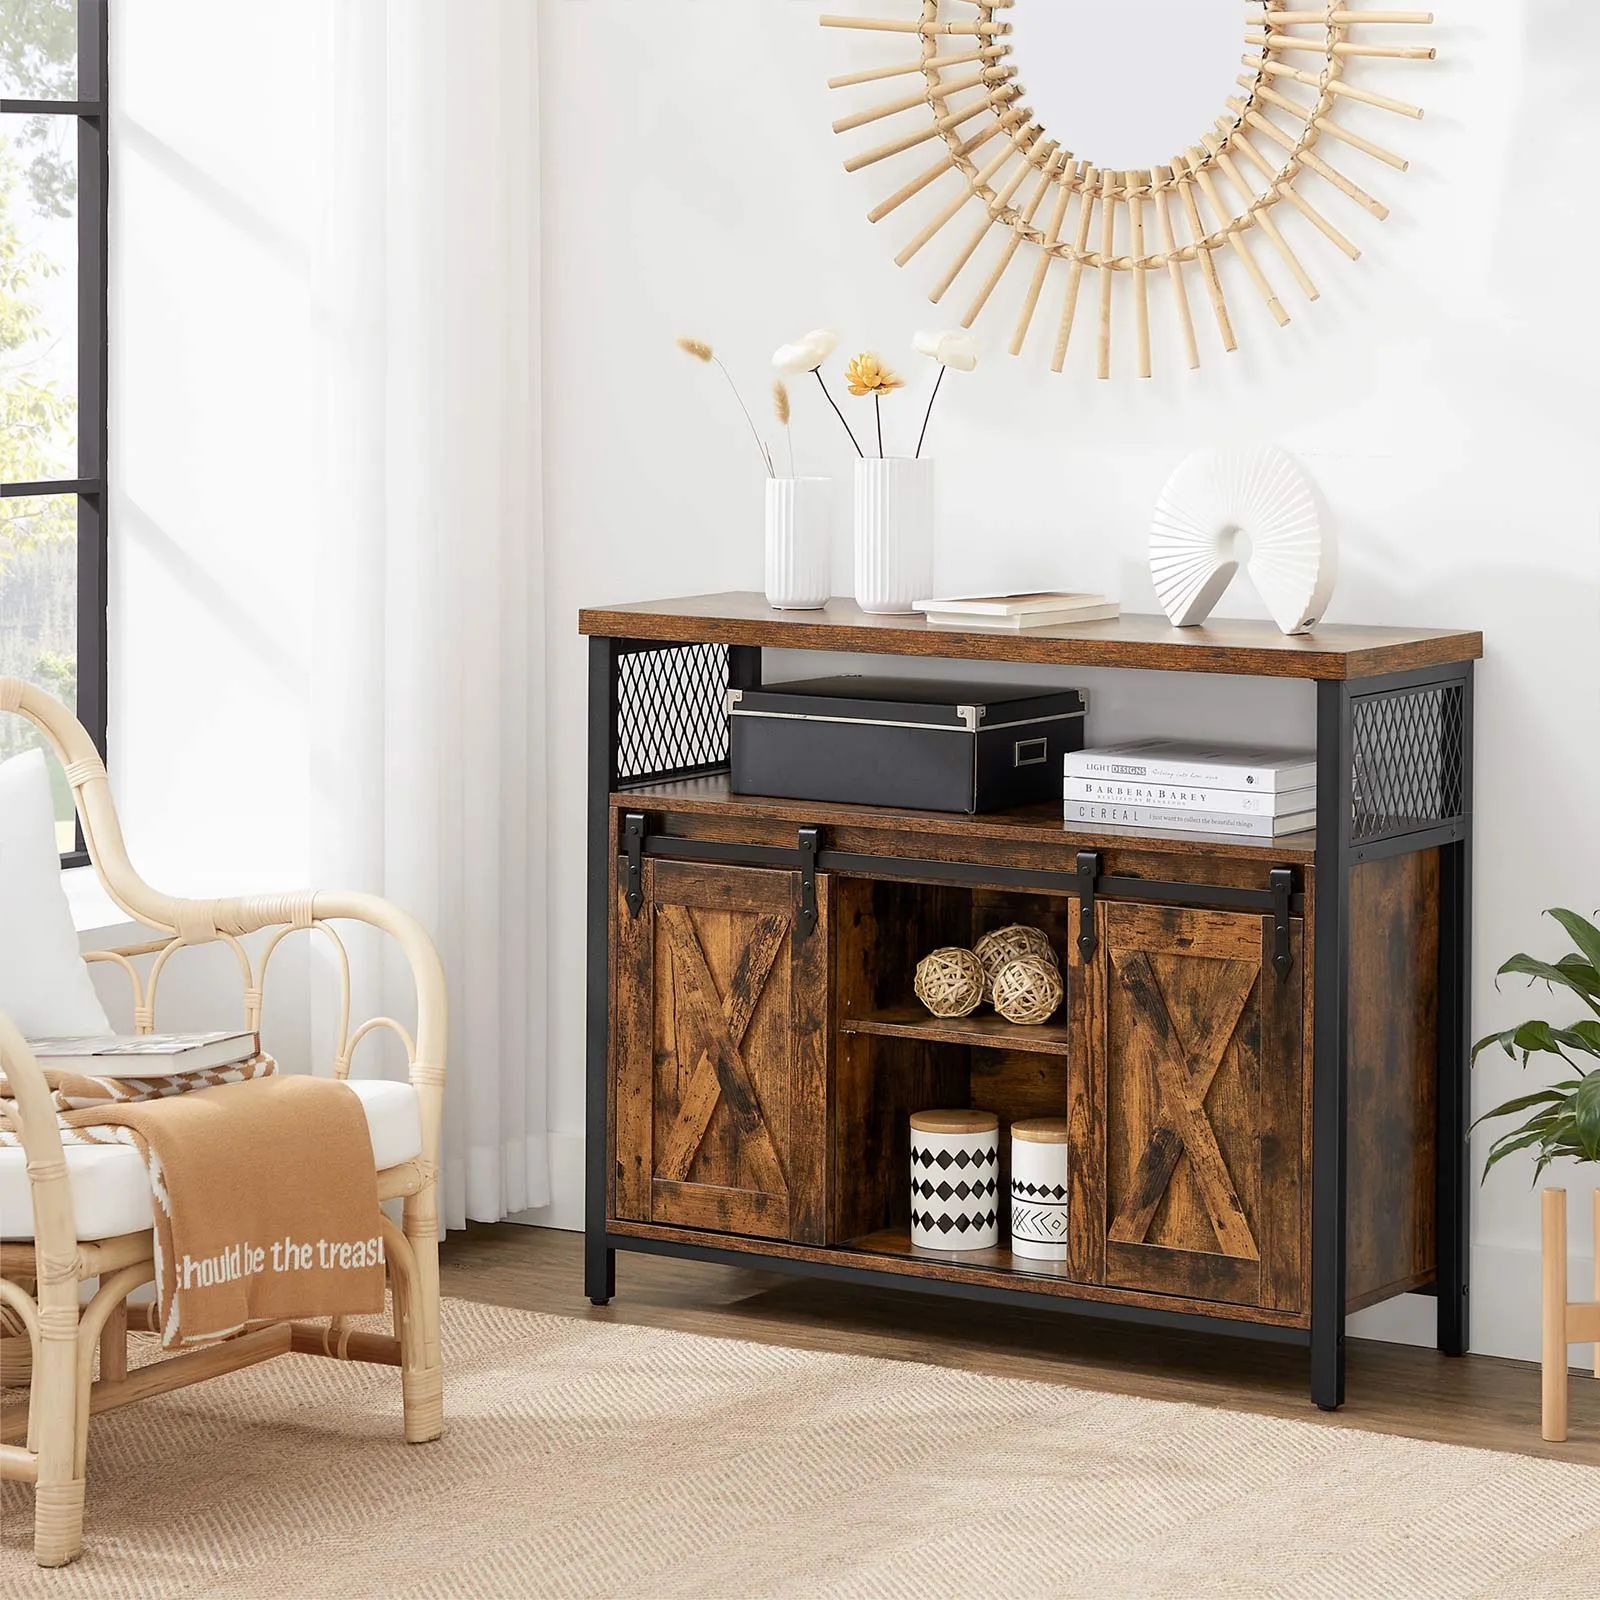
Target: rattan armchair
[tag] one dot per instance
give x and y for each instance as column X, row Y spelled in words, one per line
column 50, row 1338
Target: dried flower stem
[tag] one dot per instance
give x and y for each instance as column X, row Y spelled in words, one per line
column 766, row 458
column 816, row 372
column 929, row 412
column 877, row 411
column 701, row 351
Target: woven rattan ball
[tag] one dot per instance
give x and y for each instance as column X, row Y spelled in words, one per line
column 1028, row 990
column 950, row 982
column 995, row 949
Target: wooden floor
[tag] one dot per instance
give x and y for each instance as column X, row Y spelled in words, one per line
column 1480, row 1400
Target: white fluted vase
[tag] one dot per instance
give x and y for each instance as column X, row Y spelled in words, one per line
column 799, row 537
column 894, row 533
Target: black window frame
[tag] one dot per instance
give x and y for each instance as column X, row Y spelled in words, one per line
column 94, row 196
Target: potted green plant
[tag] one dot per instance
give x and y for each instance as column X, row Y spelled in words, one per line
column 1564, row 1119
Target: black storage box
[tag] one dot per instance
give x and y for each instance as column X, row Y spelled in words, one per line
column 933, row 746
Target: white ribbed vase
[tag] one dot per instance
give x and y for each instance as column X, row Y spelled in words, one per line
column 799, row 537
column 955, row 1180
column 894, row 533
column 1039, row 1188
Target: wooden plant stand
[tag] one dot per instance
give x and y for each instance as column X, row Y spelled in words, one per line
column 1566, row 1322
column 1263, row 1053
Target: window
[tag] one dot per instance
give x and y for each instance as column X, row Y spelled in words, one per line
column 53, row 194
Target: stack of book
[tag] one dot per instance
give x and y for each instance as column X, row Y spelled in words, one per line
column 1189, row 787
column 1014, row 612
column 145, row 1055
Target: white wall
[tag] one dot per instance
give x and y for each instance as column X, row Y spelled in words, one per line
column 1442, row 391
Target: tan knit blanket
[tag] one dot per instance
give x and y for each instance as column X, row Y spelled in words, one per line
column 79, row 1091
column 265, row 1194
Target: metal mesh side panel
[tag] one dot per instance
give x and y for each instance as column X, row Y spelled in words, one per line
column 671, row 711
column 1407, row 752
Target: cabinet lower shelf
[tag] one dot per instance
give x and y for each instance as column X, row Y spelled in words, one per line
column 888, row 1259
column 897, row 1242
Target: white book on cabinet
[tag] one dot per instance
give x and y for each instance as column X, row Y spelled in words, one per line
column 1088, row 814
column 1189, row 797
column 1261, row 768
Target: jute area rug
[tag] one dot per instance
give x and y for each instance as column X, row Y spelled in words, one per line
column 585, row 1458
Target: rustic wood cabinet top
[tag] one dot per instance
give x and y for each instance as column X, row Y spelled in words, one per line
column 1244, row 648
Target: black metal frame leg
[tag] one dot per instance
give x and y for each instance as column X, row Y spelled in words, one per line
column 1329, row 1082
column 599, row 1262
column 1455, row 1063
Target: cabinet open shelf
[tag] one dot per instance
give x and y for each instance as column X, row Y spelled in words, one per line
column 897, row 1242
column 873, row 827
column 985, row 1031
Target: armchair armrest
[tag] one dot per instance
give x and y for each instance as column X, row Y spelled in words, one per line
column 55, row 1232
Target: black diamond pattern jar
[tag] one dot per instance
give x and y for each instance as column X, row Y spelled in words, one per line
column 955, row 1180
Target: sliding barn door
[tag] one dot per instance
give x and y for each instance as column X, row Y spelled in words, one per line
column 1201, row 1081
column 720, row 1053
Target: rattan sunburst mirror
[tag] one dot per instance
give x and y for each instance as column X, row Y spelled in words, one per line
column 1229, row 192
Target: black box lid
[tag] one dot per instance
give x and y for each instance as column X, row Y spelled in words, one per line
column 937, row 702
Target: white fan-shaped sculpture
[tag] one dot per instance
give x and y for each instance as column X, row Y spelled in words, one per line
column 1261, row 494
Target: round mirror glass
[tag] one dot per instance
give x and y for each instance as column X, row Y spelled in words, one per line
column 1127, row 83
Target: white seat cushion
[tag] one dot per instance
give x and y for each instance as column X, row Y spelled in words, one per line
column 393, row 1119
column 111, row 1190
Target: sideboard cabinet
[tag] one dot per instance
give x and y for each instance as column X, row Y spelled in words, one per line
column 1261, row 1056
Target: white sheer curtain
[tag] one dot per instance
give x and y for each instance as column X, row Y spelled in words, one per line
column 428, row 661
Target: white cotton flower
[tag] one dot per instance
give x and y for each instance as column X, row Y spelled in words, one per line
column 807, row 354
column 956, row 349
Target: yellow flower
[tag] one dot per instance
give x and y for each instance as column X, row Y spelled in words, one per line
column 868, row 375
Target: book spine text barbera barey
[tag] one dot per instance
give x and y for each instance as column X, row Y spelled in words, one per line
column 1256, row 824
column 1188, row 797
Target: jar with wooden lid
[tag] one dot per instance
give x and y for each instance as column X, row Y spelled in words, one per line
column 1039, row 1188
column 955, row 1180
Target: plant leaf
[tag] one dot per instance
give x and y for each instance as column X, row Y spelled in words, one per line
column 1583, row 933
column 1582, row 971
column 1543, row 1097
column 1531, row 967
column 1511, row 1143
column 1534, row 1037
column 1506, row 1041
column 1579, row 1038
column 1586, row 1116
column 1589, row 1032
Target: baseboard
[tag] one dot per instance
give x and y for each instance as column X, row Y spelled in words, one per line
column 1505, row 1306
column 1505, row 1278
